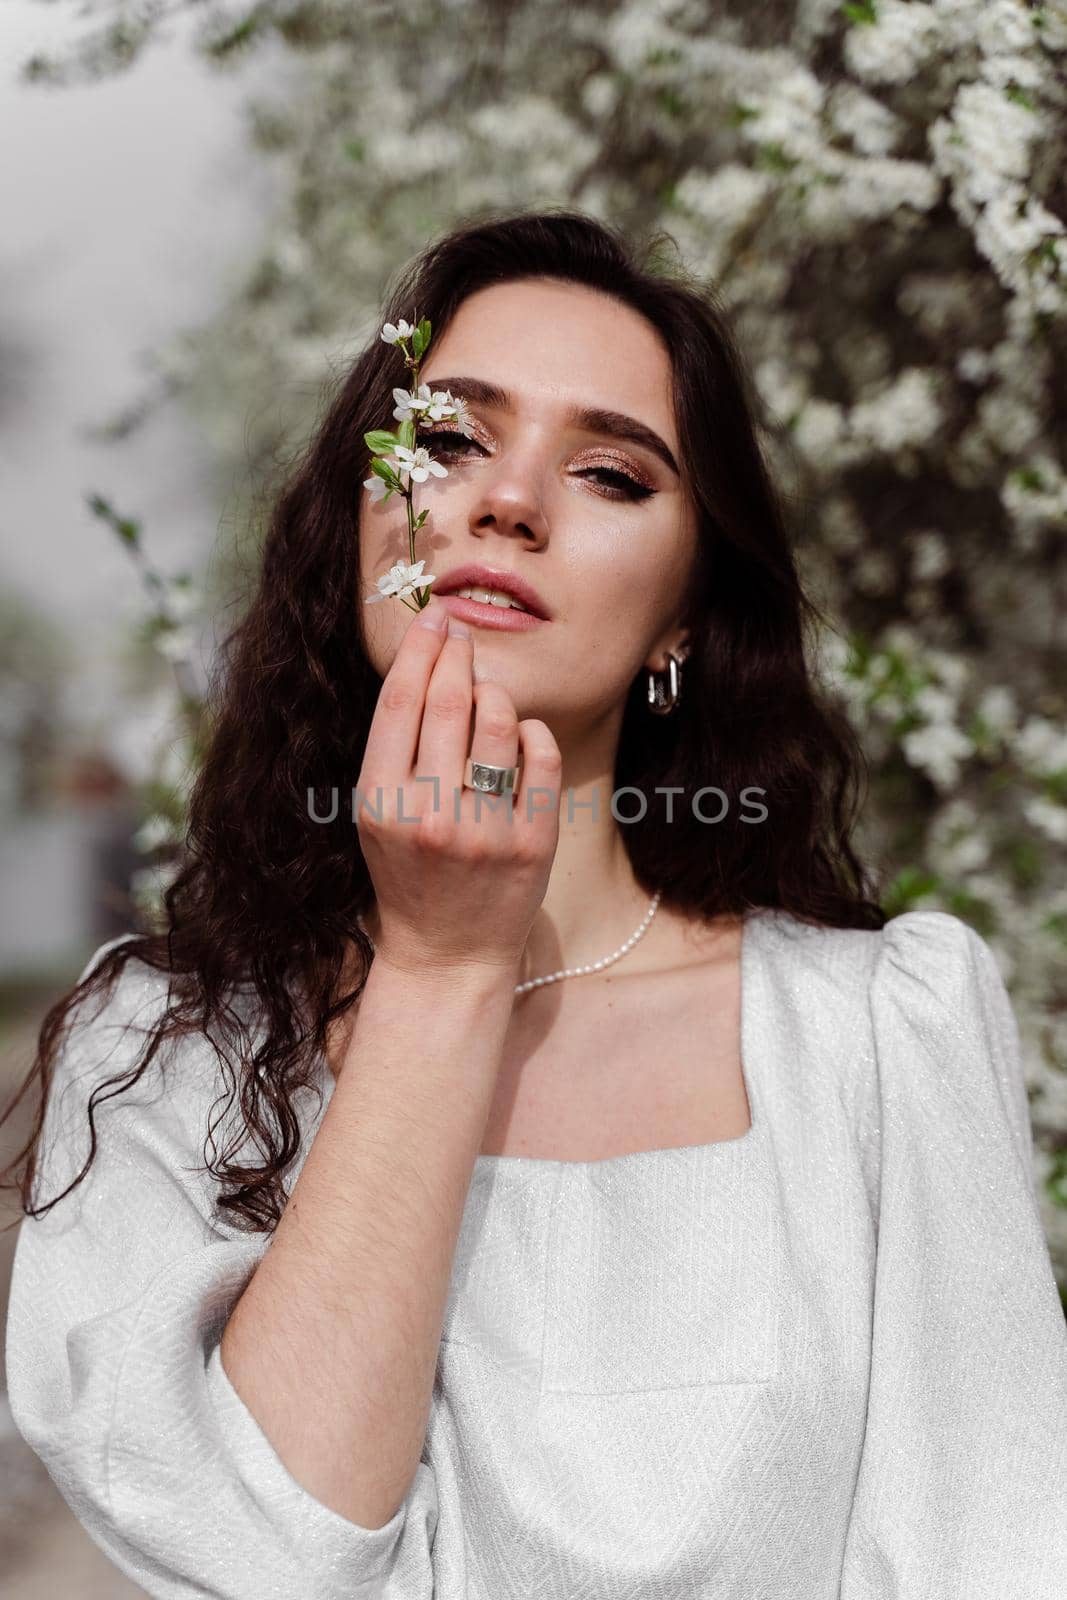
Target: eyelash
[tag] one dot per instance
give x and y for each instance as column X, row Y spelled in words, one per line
column 630, row 488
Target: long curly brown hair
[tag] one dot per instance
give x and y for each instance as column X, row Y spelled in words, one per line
column 267, row 904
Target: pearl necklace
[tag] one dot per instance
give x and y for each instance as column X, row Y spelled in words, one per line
column 594, row 966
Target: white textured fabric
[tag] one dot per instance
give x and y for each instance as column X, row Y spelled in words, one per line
column 824, row 1361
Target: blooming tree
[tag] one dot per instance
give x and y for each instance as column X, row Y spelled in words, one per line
column 876, row 191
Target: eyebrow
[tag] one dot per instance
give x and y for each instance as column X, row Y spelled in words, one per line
column 593, row 419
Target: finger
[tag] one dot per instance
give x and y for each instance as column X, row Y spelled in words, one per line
column 537, row 794
column 446, row 723
column 393, row 738
column 495, row 739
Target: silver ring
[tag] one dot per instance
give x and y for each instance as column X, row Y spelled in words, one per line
column 490, row 780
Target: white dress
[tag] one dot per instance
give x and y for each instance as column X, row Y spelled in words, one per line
column 826, row 1360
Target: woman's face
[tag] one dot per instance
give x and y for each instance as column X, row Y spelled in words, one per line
column 599, row 525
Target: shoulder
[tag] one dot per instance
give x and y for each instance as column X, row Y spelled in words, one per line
column 925, row 975
column 109, row 1025
column 138, row 993
column 946, row 1038
column 936, row 951
column 151, row 1100
column 110, row 1092
column 928, row 956
column 130, row 1006
column 908, row 1010
column 814, row 972
column 939, row 981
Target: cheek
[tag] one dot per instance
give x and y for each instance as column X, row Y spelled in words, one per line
column 626, row 610
column 380, row 631
column 382, row 536
column 382, row 542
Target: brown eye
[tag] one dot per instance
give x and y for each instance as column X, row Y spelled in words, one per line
column 621, row 485
column 615, row 485
column 450, row 434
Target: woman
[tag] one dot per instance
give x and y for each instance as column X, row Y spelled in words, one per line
column 712, row 1268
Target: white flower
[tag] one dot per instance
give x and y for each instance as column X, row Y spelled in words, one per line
column 441, row 404
column 183, row 600
column 1048, row 816
column 1041, row 745
column 377, row 487
column 727, row 197
column 418, row 464
column 934, row 703
column 997, row 708
column 952, row 670
column 906, row 412
column 1003, row 26
column 937, row 749
column 410, row 405
column 149, row 884
column 153, row 832
column 892, row 49
column 930, row 558
column 434, row 407
column 973, row 365
column 462, row 415
column 819, row 427
column 391, row 332
column 401, row 580
column 871, row 126
column 176, row 644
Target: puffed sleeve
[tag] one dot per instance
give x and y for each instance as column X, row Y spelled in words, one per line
column 119, row 1297
column 961, row 1491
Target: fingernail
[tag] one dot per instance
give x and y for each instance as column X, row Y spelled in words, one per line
column 458, row 628
column 434, row 615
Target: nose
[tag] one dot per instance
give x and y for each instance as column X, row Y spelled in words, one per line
column 509, row 502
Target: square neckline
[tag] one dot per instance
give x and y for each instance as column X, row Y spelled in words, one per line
column 493, row 1162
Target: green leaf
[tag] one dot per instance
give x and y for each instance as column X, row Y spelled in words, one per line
column 416, row 343
column 382, row 469
column 671, row 100
column 406, row 433
column 126, row 529
column 238, row 36
column 774, row 158
column 973, row 910
column 381, row 442
column 861, row 11
column 1054, row 785
column 1055, row 1184
column 1045, row 251
column 1016, row 92
column 909, row 885
column 1026, row 860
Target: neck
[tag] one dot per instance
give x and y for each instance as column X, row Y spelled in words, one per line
column 593, row 901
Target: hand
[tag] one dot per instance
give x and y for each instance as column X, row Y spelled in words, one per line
column 453, row 894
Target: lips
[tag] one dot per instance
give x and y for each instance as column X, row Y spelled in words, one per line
column 474, row 574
